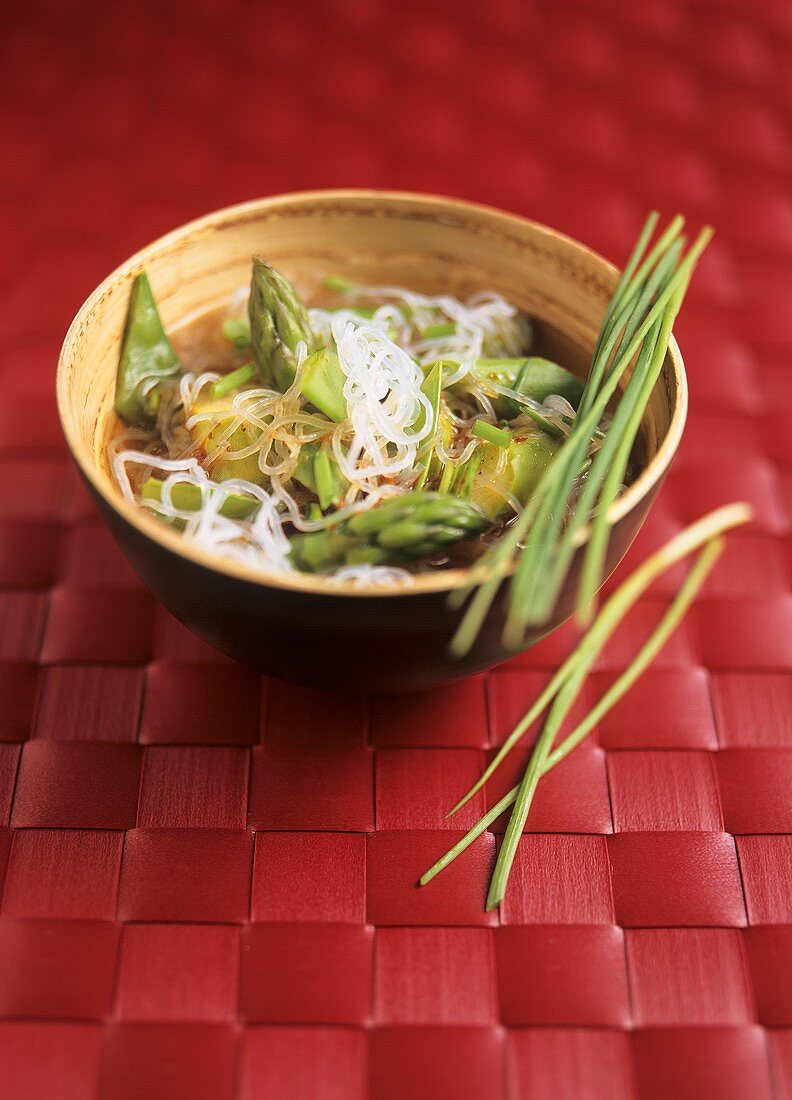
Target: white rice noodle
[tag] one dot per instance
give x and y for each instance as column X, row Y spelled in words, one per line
column 322, row 321
column 181, row 465
column 484, row 320
column 456, row 458
column 554, row 408
column 300, row 355
column 276, row 426
column 554, row 402
column 389, row 415
column 364, row 576
column 260, row 541
column 190, row 386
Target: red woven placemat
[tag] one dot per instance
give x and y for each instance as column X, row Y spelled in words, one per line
column 208, row 881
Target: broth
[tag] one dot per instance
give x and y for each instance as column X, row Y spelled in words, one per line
column 201, row 346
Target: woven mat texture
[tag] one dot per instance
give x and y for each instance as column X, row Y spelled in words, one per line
column 207, row 880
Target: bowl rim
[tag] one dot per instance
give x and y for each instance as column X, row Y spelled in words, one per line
column 440, row 581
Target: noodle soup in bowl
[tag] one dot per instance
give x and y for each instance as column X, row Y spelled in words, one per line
column 342, row 633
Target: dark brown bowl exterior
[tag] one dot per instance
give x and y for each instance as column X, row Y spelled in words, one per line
column 372, row 645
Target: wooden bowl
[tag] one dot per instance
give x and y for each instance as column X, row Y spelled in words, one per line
column 301, row 627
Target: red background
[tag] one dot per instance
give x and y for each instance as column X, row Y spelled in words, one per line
column 208, row 880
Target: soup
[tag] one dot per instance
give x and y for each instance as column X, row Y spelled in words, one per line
column 370, row 435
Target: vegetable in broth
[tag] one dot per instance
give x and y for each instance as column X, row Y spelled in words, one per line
column 387, row 434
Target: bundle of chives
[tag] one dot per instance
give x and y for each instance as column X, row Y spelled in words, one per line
column 706, row 536
column 635, row 334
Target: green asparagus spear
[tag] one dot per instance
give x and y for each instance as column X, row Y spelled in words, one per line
column 187, row 498
column 534, row 377
column 397, row 529
column 148, row 361
column 234, row 380
column 318, row 471
column 540, row 378
column 278, row 322
column 526, row 459
column 322, row 384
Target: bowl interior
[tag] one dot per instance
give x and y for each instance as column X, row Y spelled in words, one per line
column 433, row 245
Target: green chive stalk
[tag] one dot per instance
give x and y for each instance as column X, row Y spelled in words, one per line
column 669, row 622
column 534, row 587
column 234, row 380
column 610, row 462
column 608, row 620
column 490, row 434
column 638, row 322
column 629, row 283
column 698, row 574
column 565, row 686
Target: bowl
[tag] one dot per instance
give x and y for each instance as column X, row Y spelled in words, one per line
column 300, row 627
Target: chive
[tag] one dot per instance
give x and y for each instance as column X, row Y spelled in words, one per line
column 232, row 381
column 626, row 289
column 559, row 709
column 541, row 755
column 585, row 503
column 339, row 284
column 541, row 542
column 435, row 332
column 609, row 619
column 706, row 561
column 490, row 434
column 548, row 425
column 536, row 582
column 706, row 533
column 618, row 459
column 237, row 331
